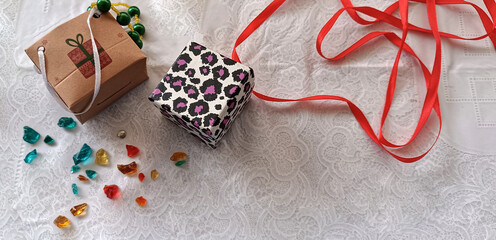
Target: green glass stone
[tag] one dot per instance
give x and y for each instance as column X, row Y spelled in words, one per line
column 30, row 135
column 138, row 27
column 133, row 10
column 91, row 174
column 83, row 155
column 49, row 140
column 180, row 163
column 75, row 169
column 123, row 19
column 75, row 189
column 103, row 5
column 67, row 123
column 134, row 35
column 139, row 43
column 31, row 156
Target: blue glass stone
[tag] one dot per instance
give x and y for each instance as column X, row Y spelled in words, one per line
column 75, row 189
column 30, row 135
column 49, row 140
column 31, row 156
column 67, row 123
column 75, row 169
column 83, row 155
column 91, row 174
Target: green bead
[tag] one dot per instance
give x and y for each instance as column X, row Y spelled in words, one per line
column 139, row 43
column 89, row 8
column 134, row 35
column 123, row 19
column 179, row 163
column 138, row 27
column 133, row 10
column 103, row 5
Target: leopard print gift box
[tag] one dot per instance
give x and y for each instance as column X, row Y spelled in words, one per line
column 203, row 92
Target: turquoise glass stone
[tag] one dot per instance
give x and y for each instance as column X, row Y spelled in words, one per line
column 179, row 163
column 75, row 189
column 31, row 156
column 30, row 135
column 91, row 174
column 49, row 140
column 67, row 123
column 83, row 155
column 75, row 169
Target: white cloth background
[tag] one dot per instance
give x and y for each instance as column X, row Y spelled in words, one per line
column 285, row 171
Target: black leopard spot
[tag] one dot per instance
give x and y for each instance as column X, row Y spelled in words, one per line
column 191, row 91
column 207, row 132
column 177, row 83
column 232, row 90
column 224, row 122
column 165, row 107
column 220, row 72
column 221, row 98
column 211, row 120
column 190, row 72
column 198, row 108
column 252, row 74
column 166, row 96
column 217, row 132
column 197, row 122
column 240, row 76
column 180, row 105
column 196, row 48
column 195, row 80
column 218, row 106
column 247, row 87
column 204, row 70
column 181, row 63
column 167, row 78
column 210, row 89
column 231, row 105
column 209, row 58
column 228, row 61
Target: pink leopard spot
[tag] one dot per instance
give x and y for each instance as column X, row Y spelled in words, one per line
column 180, row 105
column 210, row 90
column 233, row 90
column 198, row 109
column 212, row 121
column 167, row 78
column 181, row 62
column 210, row 58
column 209, row 133
column 221, row 72
column 197, row 47
column 225, row 121
column 205, row 70
column 241, row 75
column 196, row 124
column 231, row 106
column 191, row 91
column 177, row 83
column 156, row 91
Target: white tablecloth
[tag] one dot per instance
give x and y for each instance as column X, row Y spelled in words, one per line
column 284, row 171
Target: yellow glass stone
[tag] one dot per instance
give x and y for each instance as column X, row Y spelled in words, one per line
column 154, row 174
column 101, row 157
column 79, row 209
column 61, row 222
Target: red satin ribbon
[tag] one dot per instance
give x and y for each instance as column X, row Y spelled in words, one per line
column 431, row 101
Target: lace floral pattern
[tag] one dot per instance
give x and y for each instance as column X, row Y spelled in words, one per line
column 284, row 171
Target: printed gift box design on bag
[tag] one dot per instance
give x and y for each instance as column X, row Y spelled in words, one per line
column 203, row 92
column 82, row 55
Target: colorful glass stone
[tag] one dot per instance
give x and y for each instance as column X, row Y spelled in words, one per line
column 122, row 133
column 141, row 177
column 178, row 156
column 101, row 157
column 133, row 10
column 103, row 5
column 31, row 156
column 154, row 174
column 91, row 174
column 83, row 155
column 30, row 135
column 75, row 169
column 48, row 140
column 61, row 222
column 132, row 150
column 112, row 191
column 180, row 163
column 75, row 189
column 123, row 18
column 83, row 178
column 79, row 209
column 141, row 201
column 128, row 168
column 67, row 123
column 138, row 27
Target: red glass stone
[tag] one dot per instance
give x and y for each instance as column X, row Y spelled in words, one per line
column 132, row 150
column 141, row 177
column 112, row 191
column 141, row 201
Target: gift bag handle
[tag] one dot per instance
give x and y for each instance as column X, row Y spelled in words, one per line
column 98, row 71
column 431, row 101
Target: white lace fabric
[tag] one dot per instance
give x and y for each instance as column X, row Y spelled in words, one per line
column 284, row 171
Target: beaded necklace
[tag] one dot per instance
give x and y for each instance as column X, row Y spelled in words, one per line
column 124, row 18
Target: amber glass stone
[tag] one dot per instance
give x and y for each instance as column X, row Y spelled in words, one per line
column 128, row 169
column 178, row 156
column 154, row 174
column 61, row 222
column 79, row 209
column 83, row 178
